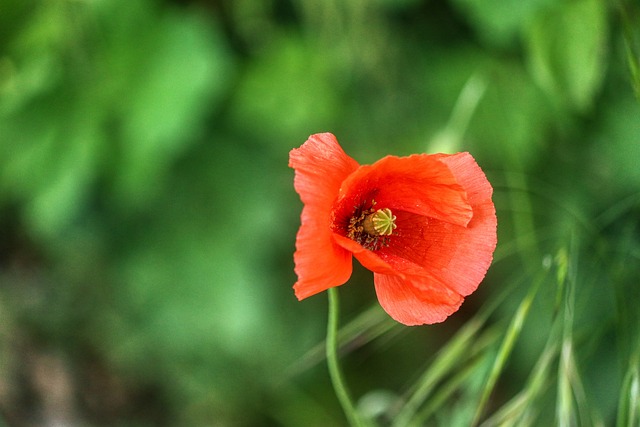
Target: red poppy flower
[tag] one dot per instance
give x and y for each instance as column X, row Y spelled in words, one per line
column 424, row 224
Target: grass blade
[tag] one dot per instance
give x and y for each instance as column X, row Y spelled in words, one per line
column 518, row 411
column 513, row 332
column 450, row 356
column 629, row 405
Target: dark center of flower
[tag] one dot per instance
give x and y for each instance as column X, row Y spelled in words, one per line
column 372, row 228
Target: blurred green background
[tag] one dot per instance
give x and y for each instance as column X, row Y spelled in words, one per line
column 148, row 217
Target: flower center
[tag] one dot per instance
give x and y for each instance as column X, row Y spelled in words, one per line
column 380, row 223
column 372, row 228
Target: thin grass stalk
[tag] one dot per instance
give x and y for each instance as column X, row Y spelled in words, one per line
column 447, row 358
column 519, row 407
column 571, row 393
column 629, row 403
column 449, row 139
column 631, row 48
column 523, row 223
column 364, row 328
column 476, row 356
column 565, row 413
column 587, row 413
column 513, row 332
column 439, row 398
column 565, row 416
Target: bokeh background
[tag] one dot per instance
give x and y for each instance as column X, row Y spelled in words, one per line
column 148, row 217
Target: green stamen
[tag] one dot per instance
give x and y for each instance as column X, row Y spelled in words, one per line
column 380, row 223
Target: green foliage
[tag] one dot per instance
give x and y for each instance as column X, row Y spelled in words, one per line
column 501, row 22
column 289, row 81
column 567, row 48
column 147, row 215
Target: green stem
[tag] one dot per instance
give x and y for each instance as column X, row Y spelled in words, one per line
column 335, row 372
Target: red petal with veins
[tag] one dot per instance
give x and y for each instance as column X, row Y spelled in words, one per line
column 367, row 258
column 477, row 242
column 411, row 303
column 445, row 257
column 320, row 168
column 420, row 184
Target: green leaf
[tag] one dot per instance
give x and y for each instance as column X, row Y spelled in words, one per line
column 617, row 147
column 632, row 48
column 499, row 21
column 514, row 101
column 161, row 76
column 286, row 92
column 566, row 48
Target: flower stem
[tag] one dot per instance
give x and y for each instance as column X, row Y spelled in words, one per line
column 335, row 372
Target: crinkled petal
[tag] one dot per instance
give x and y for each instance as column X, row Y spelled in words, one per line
column 420, row 184
column 413, row 301
column 320, row 167
column 367, row 258
column 319, row 263
column 479, row 239
column 457, row 257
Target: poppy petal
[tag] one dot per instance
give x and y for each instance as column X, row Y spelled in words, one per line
column 421, row 184
column 478, row 242
column 458, row 257
column 319, row 263
column 320, row 167
column 367, row 258
column 412, row 301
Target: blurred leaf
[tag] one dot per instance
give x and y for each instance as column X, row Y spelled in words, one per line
column 449, row 139
column 13, row 15
column 631, row 45
column 192, row 306
column 121, row 100
column 397, row 4
column 468, row 84
column 616, row 150
column 68, row 190
column 286, row 92
column 500, row 22
column 31, row 60
column 567, row 51
column 161, row 76
column 514, row 101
